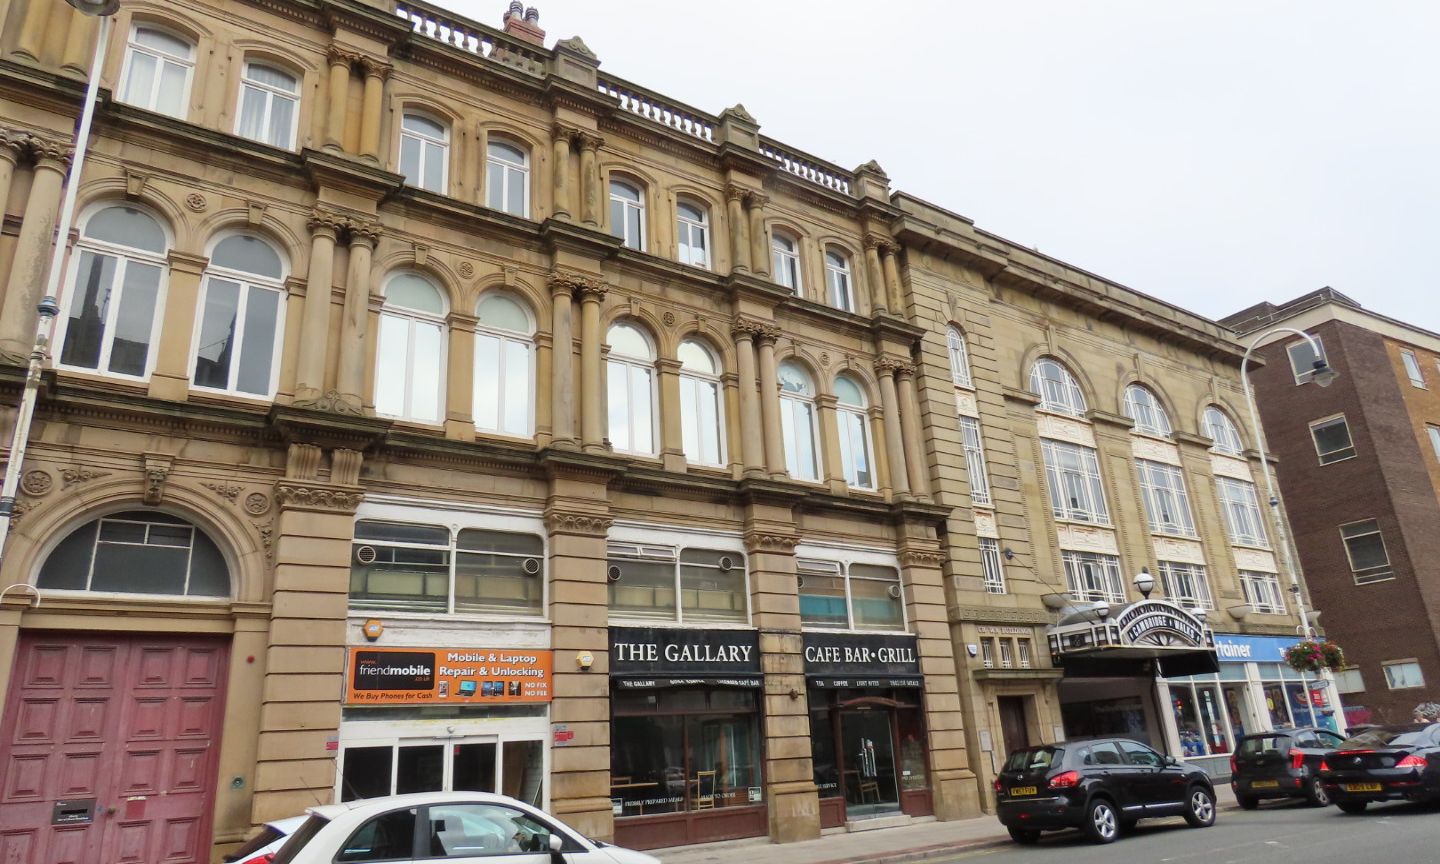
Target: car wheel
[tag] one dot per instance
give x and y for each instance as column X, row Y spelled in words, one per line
column 1101, row 823
column 1246, row 802
column 1315, row 793
column 1025, row 836
column 1200, row 807
column 1352, row 807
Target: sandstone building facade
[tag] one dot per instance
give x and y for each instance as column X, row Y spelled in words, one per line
column 429, row 409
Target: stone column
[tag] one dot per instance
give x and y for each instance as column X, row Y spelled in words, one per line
column 672, row 437
column 32, row 252
column 315, row 320
column 372, row 108
column 752, row 441
column 460, row 378
column 355, row 319
column 759, row 237
column 833, row 472
column 11, row 144
column 34, row 26
column 875, row 273
column 893, row 288
column 171, row 378
column 894, row 439
column 592, row 379
column 562, row 362
column 563, row 136
column 589, row 179
column 739, row 241
column 770, row 404
column 910, row 428
column 305, row 659
column 338, row 96
column 80, row 36
column 876, row 418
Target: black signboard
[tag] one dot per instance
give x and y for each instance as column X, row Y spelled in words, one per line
column 648, row 657
column 861, row 660
column 394, row 670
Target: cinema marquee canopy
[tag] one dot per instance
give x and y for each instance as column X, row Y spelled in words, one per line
column 1143, row 638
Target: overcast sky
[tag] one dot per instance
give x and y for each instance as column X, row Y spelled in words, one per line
column 1212, row 154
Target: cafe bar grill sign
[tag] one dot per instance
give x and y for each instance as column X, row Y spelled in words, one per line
column 835, row 660
column 649, row 657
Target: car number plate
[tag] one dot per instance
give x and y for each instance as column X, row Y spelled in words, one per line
column 1265, row 784
column 1361, row 787
column 1018, row 791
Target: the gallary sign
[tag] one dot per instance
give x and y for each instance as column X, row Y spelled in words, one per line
column 854, row 660
column 643, row 657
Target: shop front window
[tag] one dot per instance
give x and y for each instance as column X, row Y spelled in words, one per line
column 681, row 751
column 646, row 579
column 399, row 766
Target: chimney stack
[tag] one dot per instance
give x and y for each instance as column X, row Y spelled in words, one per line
column 524, row 23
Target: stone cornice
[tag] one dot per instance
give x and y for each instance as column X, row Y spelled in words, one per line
column 572, row 237
column 997, row 615
column 1105, row 418
column 1023, row 397
column 327, row 428
column 317, row 497
column 745, row 286
column 1190, row 439
column 896, row 328
column 350, row 173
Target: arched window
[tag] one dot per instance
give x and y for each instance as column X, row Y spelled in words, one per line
column 700, row 413
column 854, row 423
column 692, row 234
column 1147, row 412
column 1221, row 429
column 630, row 383
column 627, row 214
column 1056, row 387
column 507, row 178
column 137, row 552
column 959, row 357
column 504, row 366
column 117, row 281
column 158, row 68
column 424, row 152
column 837, row 281
column 242, row 318
column 797, row 422
column 785, row 262
column 410, row 353
column 269, row 102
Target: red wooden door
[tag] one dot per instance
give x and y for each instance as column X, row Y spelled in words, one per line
column 130, row 723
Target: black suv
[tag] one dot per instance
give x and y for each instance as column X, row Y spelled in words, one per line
column 1101, row 786
column 1281, row 764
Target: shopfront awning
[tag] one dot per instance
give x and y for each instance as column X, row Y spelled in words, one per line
column 1146, row 638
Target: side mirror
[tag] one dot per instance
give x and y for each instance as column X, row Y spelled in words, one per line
column 1171, row 760
column 556, row 844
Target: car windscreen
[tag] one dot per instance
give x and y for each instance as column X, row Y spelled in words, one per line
column 303, row 835
column 1390, row 736
column 1262, row 743
column 1033, row 759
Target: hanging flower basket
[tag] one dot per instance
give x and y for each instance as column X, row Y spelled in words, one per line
column 1311, row 656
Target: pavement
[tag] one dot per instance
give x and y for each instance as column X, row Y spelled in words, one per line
column 920, row 841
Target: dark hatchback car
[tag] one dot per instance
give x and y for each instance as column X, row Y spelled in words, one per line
column 1281, row 764
column 1101, row 786
column 1386, row 763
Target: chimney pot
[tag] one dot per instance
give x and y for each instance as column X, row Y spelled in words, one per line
column 532, row 15
column 517, row 9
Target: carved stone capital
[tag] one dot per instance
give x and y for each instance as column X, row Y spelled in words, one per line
column 322, row 221
column 759, row 541
column 43, row 150
column 769, row 334
column 562, row 281
column 876, row 241
column 376, row 68
column 758, row 200
column 922, row 558
column 904, row 370
column 585, row 524
column 317, row 496
column 12, row 144
column 590, row 141
column 746, row 328
column 886, row 366
column 565, row 132
column 735, row 192
column 363, row 232
column 338, row 55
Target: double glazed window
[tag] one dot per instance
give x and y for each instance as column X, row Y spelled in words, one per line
column 137, row 552
column 1072, row 474
column 975, row 460
column 424, row 152
column 504, row 366
column 410, row 351
column 701, row 429
column 1184, row 585
column 242, row 318
column 630, row 383
column 1222, row 431
column 837, row 281
column 116, row 291
column 1241, row 509
column 1093, row 577
column 1262, row 592
column 269, row 103
column 647, row 580
column 1365, row 547
column 959, row 357
column 407, row 567
column 627, row 215
column 797, row 422
column 835, row 595
column 854, row 423
column 507, row 178
column 1057, row 388
column 158, row 68
column 1166, row 504
column 992, row 566
column 1403, row 674
column 692, row 234
column 1332, row 440
column 785, row 262
column 1147, row 412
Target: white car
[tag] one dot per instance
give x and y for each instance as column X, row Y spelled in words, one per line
column 458, row 827
column 261, row 848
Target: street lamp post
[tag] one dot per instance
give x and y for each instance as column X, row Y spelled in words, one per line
column 49, row 306
column 1323, row 375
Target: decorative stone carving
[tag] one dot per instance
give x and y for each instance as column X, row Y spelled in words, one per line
column 922, row 558
column 966, row 404
column 1176, row 549
column 578, row 46
column 18, row 511
column 466, row 269
column 42, row 149
column 589, row 141
column 157, row 471
column 79, row 474
column 376, row 68
column 332, row 401
column 763, row 542
column 872, row 167
column 825, row 359
column 1064, row 429
column 887, row 366
column 757, row 200
column 588, row 524
column 317, row 497
column 302, row 461
column 1229, row 466
column 257, row 503
column 196, row 202
column 37, row 483
column 739, row 112
column 746, row 328
column 266, row 530
column 991, row 613
column 876, row 241
column 1087, row 538
column 322, row 219
column 345, row 467
column 985, row 525
column 563, row 280
column 668, row 318
column 1254, row 559
column 734, row 192
column 1154, row 450
column 224, row 490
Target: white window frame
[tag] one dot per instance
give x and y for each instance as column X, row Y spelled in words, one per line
column 1231, row 445
column 1240, row 507
column 839, row 285
column 973, row 442
column 1092, row 576
column 1305, row 374
column 785, row 263
column 790, row 412
column 959, row 351
column 271, row 94
column 987, row 651
column 1380, row 572
column 508, row 337
column 1186, row 585
column 508, row 172
column 992, row 566
column 623, row 229
column 162, row 58
column 1349, row 680
column 849, row 446
column 669, row 552
column 1076, row 491
column 632, row 364
column 246, row 281
column 428, row 145
column 1162, row 488
column 686, row 230
column 1063, row 396
column 1412, row 368
column 831, row 565
column 1394, row 682
column 1330, row 458
column 692, row 412
column 1434, row 433
column 1262, row 591
column 414, row 318
column 1144, row 407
